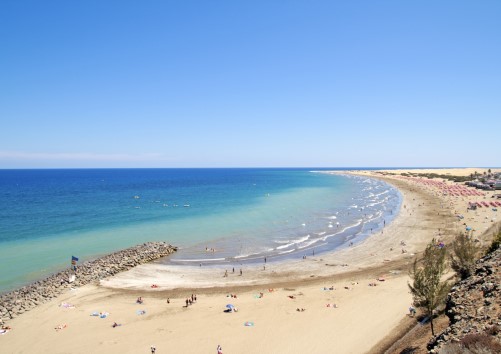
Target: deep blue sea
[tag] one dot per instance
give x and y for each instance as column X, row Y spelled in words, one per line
column 46, row 216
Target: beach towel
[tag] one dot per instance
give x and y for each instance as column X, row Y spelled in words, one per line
column 67, row 305
column 140, row 312
column 103, row 314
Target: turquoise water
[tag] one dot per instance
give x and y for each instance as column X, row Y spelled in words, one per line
column 46, row 216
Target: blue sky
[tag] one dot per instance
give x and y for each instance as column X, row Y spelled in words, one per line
column 249, row 83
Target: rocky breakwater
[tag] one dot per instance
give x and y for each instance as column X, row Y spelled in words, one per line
column 474, row 308
column 16, row 302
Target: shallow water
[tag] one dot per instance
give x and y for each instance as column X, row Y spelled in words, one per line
column 46, row 216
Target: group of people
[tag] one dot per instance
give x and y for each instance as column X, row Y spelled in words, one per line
column 4, row 329
column 189, row 300
column 233, row 271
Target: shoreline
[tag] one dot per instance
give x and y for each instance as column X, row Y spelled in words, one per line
column 16, row 302
column 371, row 253
column 302, row 224
column 374, row 311
column 333, row 230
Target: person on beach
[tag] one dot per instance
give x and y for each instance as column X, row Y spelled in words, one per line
column 219, row 349
column 153, row 349
column 240, row 271
column 168, row 300
column 412, row 311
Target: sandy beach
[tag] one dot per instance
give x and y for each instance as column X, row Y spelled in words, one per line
column 368, row 300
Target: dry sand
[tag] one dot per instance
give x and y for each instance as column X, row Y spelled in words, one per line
column 364, row 314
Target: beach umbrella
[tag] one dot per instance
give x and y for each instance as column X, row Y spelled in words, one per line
column 230, row 306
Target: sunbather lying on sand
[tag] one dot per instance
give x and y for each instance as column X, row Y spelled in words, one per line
column 61, row 326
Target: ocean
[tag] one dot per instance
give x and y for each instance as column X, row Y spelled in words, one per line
column 215, row 216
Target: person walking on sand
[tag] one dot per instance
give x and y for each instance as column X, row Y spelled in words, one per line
column 153, row 349
column 240, row 271
column 219, row 349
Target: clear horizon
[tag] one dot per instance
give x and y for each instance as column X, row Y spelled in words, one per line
column 262, row 84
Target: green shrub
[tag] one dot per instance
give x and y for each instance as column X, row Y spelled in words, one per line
column 496, row 242
column 464, row 255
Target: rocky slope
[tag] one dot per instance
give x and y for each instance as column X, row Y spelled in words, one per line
column 474, row 308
